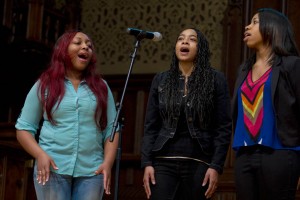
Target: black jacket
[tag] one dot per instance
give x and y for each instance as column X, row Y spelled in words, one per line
column 285, row 86
column 214, row 141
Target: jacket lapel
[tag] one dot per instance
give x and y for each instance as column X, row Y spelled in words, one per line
column 275, row 77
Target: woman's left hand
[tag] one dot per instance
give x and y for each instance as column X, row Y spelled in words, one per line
column 106, row 171
column 211, row 177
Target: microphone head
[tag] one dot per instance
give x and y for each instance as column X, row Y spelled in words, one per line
column 157, row 36
column 130, row 30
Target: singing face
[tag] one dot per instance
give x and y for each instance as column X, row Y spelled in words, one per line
column 186, row 46
column 80, row 51
column 252, row 35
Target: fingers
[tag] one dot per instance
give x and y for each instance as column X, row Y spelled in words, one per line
column 106, row 177
column 44, row 163
column 211, row 178
column 106, row 180
column 107, row 191
column 205, row 180
column 148, row 176
column 99, row 170
column 44, row 173
column 147, row 185
column 147, row 189
column 107, row 188
column 53, row 165
column 43, row 176
column 152, row 178
column 210, row 190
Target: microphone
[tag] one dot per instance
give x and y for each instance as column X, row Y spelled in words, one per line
column 140, row 34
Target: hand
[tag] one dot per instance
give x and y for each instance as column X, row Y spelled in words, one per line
column 148, row 175
column 211, row 176
column 106, row 171
column 43, row 168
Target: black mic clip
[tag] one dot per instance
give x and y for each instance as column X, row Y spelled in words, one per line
column 140, row 34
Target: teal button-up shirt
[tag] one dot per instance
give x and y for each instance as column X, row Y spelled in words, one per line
column 74, row 143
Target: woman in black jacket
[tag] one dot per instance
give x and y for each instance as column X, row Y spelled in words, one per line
column 187, row 125
column 266, row 111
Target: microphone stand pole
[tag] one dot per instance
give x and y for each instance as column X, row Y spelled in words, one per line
column 119, row 107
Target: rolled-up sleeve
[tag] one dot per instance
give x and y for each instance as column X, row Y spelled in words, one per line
column 31, row 112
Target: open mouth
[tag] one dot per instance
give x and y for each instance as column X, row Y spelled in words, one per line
column 247, row 34
column 184, row 50
column 83, row 56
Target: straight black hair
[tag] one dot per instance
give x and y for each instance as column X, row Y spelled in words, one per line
column 277, row 31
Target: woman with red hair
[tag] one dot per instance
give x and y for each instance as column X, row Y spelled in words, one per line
column 73, row 155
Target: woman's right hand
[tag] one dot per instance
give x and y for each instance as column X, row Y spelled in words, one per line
column 43, row 167
column 148, row 177
column 44, row 162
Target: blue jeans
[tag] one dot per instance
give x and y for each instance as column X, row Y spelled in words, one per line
column 262, row 173
column 178, row 180
column 63, row 187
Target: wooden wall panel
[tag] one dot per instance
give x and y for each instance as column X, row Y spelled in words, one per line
column 232, row 44
column 292, row 11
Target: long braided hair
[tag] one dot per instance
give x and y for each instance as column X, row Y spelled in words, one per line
column 200, row 84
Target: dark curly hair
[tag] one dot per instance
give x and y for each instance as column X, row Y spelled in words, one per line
column 200, row 84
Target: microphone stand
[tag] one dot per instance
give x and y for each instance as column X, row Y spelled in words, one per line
column 116, row 121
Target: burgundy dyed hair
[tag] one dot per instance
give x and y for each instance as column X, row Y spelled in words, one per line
column 52, row 88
